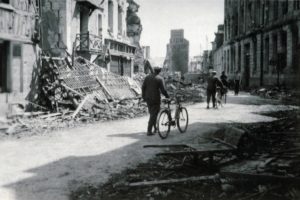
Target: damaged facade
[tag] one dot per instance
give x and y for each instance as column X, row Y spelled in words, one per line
column 217, row 49
column 134, row 31
column 195, row 64
column 18, row 52
column 207, row 61
column 262, row 41
column 95, row 30
column 177, row 56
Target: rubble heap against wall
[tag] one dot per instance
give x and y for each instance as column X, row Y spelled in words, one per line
column 81, row 86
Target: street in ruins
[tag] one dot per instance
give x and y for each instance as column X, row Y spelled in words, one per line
column 50, row 167
column 149, row 100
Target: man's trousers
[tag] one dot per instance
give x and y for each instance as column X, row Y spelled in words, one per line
column 153, row 110
column 211, row 94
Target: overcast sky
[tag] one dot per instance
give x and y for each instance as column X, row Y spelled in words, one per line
column 198, row 18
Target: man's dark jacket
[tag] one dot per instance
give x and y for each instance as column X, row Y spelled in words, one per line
column 152, row 86
column 213, row 82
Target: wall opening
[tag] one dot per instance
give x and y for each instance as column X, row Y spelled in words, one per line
column 283, row 41
column 4, row 46
column 84, row 20
column 254, row 56
column 274, row 53
column 100, row 25
column 4, row 1
column 296, row 48
column 111, row 16
column 275, row 11
column 120, row 20
column 266, row 56
column 247, row 65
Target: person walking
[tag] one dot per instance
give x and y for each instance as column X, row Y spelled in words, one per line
column 223, row 78
column 212, row 83
column 237, row 83
column 152, row 86
column 224, row 81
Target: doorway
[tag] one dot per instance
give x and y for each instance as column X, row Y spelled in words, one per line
column 247, row 66
column 3, row 65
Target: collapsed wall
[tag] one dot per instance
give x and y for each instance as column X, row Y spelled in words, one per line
column 64, row 85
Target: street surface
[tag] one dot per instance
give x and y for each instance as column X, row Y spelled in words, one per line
column 49, row 167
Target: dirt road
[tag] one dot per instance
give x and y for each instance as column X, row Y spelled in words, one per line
column 48, row 167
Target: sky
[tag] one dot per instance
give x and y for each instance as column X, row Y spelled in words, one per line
column 198, row 18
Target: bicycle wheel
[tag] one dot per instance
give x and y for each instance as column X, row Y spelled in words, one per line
column 163, row 124
column 182, row 119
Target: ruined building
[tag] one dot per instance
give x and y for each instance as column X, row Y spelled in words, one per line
column 18, row 52
column 134, row 31
column 217, row 50
column 262, row 40
column 207, row 61
column 177, row 57
column 195, row 64
column 93, row 29
column 146, row 51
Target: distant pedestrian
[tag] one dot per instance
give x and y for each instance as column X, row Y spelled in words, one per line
column 237, row 82
column 225, row 83
column 152, row 86
column 223, row 78
column 212, row 83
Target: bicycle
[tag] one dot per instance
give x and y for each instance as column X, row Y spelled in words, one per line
column 165, row 120
column 221, row 96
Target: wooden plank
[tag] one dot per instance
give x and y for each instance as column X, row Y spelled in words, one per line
column 80, row 106
column 72, row 90
column 197, row 152
column 50, row 115
column 164, row 145
column 174, row 181
column 106, row 90
column 209, row 146
column 260, row 177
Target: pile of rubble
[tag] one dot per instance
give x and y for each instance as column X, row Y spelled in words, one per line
column 189, row 92
column 277, row 93
column 64, row 91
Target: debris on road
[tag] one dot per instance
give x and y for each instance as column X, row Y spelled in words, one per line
column 278, row 93
column 271, row 172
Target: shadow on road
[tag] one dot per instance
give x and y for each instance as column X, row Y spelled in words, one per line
column 55, row 180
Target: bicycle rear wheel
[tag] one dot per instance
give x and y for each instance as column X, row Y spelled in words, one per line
column 182, row 120
column 163, row 124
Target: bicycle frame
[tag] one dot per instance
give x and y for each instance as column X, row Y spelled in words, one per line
column 176, row 114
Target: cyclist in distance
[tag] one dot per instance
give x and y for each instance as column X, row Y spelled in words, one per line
column 152, row 86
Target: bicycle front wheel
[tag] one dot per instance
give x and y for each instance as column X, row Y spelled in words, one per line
column 182, row 120
column 163, row 124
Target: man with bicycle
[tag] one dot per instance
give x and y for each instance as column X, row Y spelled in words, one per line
column 152, row 86
column 212, row 83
